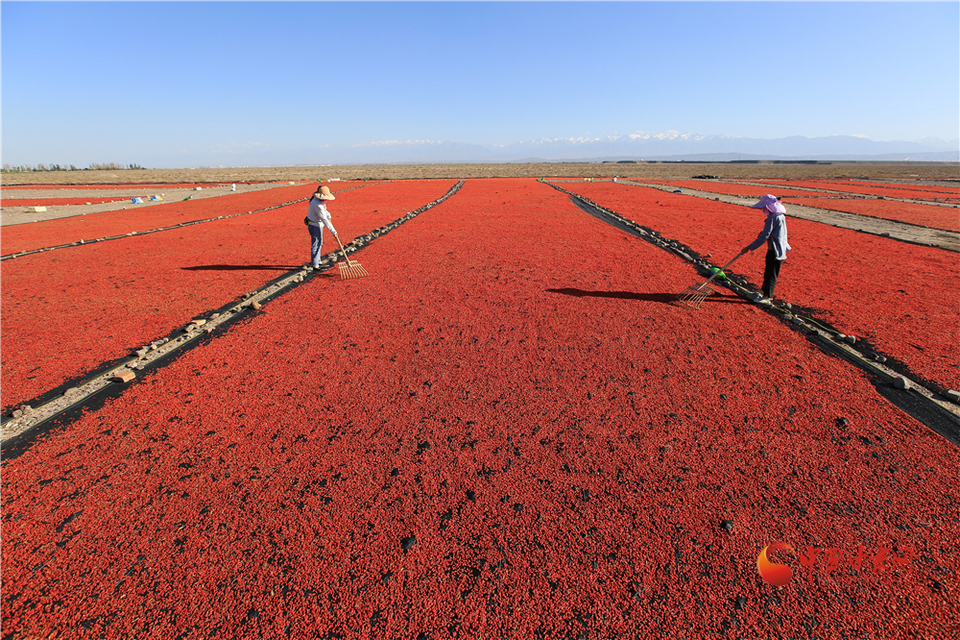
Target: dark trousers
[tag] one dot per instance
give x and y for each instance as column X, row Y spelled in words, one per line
column 771, row 273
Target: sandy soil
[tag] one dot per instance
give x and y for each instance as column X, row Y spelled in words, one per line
column 649, row 171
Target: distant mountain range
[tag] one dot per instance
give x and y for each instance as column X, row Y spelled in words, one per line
column 640, row 147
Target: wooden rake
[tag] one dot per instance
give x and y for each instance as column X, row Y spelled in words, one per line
column 693, row 297
column 350, row 268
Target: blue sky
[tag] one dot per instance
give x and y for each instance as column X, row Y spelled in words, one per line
column 204, row 84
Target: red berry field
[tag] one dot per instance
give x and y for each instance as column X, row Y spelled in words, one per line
column 859, row 187
column 69, row 309
column 935, row 209
column 887, row 293
column 50, row 233
column 509, row 429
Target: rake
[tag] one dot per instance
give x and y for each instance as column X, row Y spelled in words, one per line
column 693, row 297
column 350, row 268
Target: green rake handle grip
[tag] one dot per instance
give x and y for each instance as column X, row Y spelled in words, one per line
column 721, row 270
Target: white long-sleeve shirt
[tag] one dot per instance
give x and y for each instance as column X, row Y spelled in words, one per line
column 318, row 213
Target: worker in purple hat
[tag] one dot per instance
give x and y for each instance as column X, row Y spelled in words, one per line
column 774, row 233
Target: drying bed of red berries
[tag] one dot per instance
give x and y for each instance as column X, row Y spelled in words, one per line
column 933, row 189
column 50, row 233
column 57, row 202
column 505, row 431
column 731, row 188
column 68, row 310
column 901, row 184
column 926, row 215
column 124, row 185
column 891, row 191
column 886, row 292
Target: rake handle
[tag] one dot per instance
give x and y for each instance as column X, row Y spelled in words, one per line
column 342, row 249
column 721, row 269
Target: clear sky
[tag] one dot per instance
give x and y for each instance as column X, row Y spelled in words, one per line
column 202, row 84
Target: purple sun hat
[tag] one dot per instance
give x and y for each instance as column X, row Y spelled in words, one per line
column 770, row 203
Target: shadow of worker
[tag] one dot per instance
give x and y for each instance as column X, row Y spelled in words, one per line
column 665, row 298
column 241, row 267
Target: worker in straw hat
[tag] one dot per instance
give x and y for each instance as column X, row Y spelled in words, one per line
column 317, row 218
column 774, row 233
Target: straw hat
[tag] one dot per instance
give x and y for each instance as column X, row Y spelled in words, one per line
column 324, row 194
column 770, row 203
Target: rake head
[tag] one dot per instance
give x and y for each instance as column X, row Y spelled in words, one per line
column 352, row 269
column 693, row 297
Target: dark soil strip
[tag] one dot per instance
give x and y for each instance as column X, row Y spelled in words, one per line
column 16, row 445
column 912, row 402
